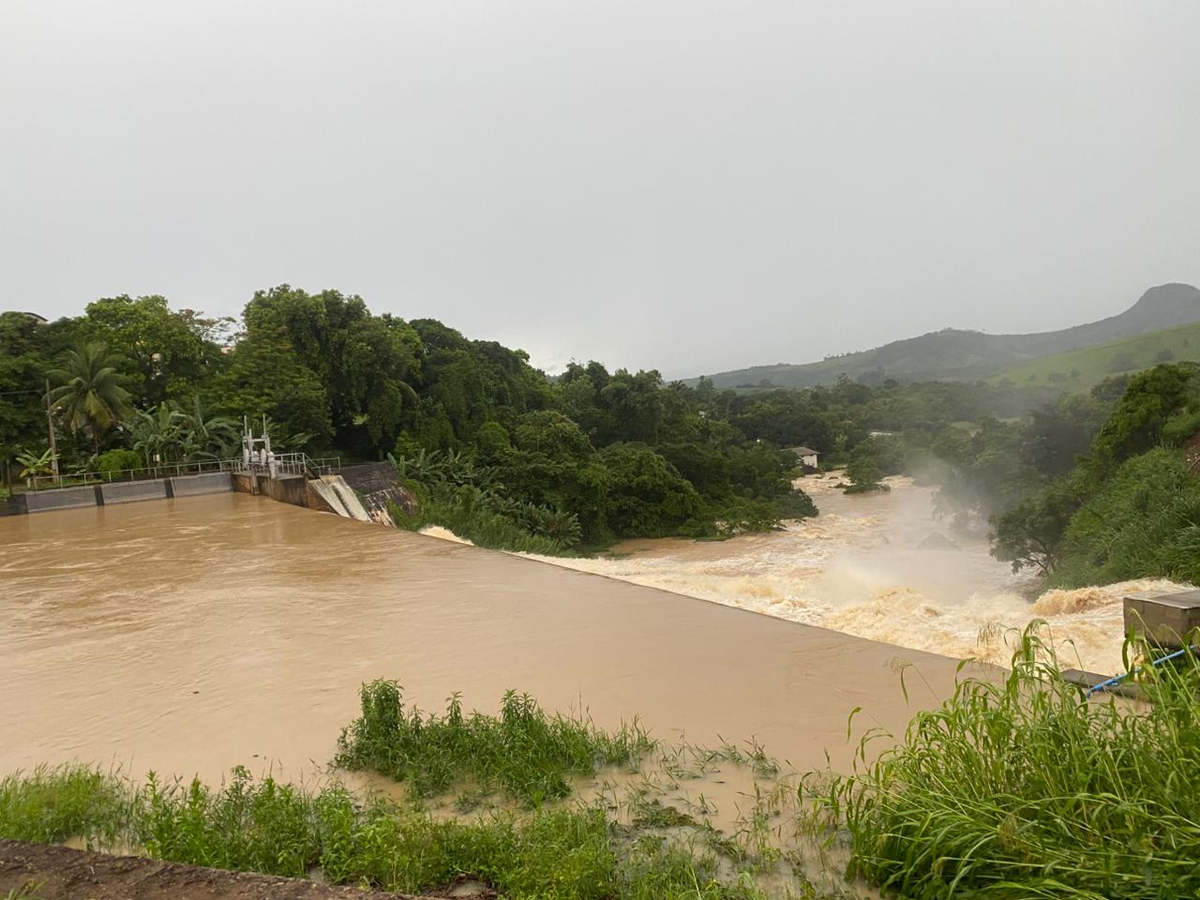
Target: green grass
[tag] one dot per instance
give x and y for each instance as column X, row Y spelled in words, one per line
column 647, row 840
column 51, row 805
column 524, row 752
column 1024, row 790
column 564, row 852
column 1078, row 370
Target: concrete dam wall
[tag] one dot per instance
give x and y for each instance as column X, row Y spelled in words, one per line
column 122, row 492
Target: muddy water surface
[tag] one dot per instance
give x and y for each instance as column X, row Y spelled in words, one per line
column 881, row 566
column 192, row 635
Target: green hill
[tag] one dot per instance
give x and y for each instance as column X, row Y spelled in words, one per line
column 1083, row 368
column 954, row 354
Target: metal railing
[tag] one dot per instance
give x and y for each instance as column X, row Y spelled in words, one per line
column 116, row 476
column 285, row 464
column 291, row 464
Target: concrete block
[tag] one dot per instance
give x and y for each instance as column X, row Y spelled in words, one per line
column 60, row 498
column 288, row 489
column 1163, row 619
column 134, row 491
column 208, row 483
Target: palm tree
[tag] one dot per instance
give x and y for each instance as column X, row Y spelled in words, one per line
column 90, row 390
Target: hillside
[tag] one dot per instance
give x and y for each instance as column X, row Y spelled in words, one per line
column 955, row 354
column 1078, row 369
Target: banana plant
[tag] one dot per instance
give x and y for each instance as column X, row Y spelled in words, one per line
column 35, row 464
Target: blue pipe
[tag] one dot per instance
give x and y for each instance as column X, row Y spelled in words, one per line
column 1117, row 679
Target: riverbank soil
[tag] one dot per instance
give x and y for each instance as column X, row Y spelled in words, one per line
column 60, row 873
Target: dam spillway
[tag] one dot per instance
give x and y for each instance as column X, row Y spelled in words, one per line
column 200, row 633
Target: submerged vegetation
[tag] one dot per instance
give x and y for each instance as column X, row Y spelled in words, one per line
column 1025, row 789
column 525, row 752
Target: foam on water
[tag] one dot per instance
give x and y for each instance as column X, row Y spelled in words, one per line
column 881, row 567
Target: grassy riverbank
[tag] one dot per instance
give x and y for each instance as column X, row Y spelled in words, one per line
column 1023, row 789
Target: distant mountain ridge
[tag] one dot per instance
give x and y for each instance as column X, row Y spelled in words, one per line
column 954, row 354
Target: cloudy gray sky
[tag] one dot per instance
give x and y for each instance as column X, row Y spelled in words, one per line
column 681, row 184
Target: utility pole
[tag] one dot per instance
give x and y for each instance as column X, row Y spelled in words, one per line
column 53, row 441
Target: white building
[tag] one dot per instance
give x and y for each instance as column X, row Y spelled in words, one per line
column 808, row 456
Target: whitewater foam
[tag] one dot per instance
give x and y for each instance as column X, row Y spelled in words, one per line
column 879, row 566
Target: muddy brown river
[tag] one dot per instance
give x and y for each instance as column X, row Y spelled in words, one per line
column 192, row 635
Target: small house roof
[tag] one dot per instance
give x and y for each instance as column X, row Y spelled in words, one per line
column 804, row 451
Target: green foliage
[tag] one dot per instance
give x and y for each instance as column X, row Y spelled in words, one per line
column 24, row 361
column 52, row 805
column 1090, row 366
column 363, row 363
column 1151, row 400
column 644, row 494
column 246, row 826
column 170, row 353
column 553, row 853
column 112, row 461
column 593, row 458
column 89, row 390
column 166, row 434
column 524, row 752
column 1143, row 521
column 1131, row 507
column 1023, row 789
column 1029, row 534
column 864, row 471
column 468, row 515
column 33, row 463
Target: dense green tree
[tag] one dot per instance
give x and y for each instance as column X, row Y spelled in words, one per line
column 267, row 377
column 1059, row 433
column 1029, row 535
column 23, row 368
column 645, row 494
column 864, row 471
column 363, row 363
column 169, row 352
column 1148, row 403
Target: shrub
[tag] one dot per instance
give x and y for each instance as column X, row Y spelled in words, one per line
column 1139, row 523
column 525, row 752
column 118, row 460
column 1024, row 789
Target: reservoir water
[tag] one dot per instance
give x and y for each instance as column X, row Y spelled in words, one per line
column 192, row 635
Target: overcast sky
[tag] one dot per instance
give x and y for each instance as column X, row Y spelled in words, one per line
column 685, row 185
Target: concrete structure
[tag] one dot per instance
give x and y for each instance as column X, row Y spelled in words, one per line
column 135, row 491
column 378, row 486
column 208, row 483
column 61, row 498
column 809, row 457
column 119, row 492
column 13, row 506
column 1163, row 619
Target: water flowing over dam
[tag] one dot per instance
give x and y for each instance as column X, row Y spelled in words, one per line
column 196, row 634
column 880, row 566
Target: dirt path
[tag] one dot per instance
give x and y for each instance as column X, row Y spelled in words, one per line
column 60, row 873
